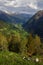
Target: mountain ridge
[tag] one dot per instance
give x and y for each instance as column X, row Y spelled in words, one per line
column 14, row 18
column 35, row 24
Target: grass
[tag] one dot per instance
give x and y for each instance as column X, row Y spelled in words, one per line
column 9, row 58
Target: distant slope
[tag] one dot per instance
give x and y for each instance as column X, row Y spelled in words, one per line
column 9, row 26
column 35, row 24
column 14, row 18
column 21, row 17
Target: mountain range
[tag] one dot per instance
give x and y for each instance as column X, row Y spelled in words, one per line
column 14, row 18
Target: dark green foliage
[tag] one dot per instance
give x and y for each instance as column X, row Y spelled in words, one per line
column 3, row 43
column 33, row 45
column 17, row 40
column 14, row 44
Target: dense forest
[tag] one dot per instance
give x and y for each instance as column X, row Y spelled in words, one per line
column 14, row 38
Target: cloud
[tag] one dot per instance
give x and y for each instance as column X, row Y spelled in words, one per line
column 33, row 4
column 29, row 6
column 40, row 4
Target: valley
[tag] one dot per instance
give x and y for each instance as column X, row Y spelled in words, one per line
column 21, row 43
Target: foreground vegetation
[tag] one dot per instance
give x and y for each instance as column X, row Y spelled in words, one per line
column 10, row 58
column 15, row 43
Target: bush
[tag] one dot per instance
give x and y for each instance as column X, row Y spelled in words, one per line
column 14, row 44
column 3, row 43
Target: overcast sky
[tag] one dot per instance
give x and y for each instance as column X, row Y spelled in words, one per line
column 23, row 6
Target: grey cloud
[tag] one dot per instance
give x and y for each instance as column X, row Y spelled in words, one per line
column 40, row 4
column 22, row 5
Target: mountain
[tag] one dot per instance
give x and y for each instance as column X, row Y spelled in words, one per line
column 14, row 18
column 21, row 17
column 35, row 24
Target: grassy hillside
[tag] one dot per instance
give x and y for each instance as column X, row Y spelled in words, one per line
column 10, row 58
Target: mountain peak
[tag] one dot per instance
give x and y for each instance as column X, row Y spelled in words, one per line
column 40, row 13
